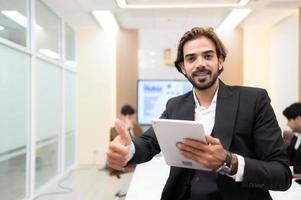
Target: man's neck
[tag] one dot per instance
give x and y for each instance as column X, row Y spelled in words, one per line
column 205, row 96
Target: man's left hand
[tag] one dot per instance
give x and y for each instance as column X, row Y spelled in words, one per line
column 211, row 155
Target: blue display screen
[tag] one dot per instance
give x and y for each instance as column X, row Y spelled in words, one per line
column 153, row 95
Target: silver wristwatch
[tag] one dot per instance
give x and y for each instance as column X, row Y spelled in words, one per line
column 225, row 169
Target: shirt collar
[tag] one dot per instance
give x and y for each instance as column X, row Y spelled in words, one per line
column 197, row 105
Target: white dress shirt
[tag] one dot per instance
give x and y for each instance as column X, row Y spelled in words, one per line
column 298, row 141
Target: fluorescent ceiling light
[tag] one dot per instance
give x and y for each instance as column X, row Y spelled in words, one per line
column 123, row 4
column 18, row 18
column 233, row 19
column 71, row 63
column 106, row 20
column 49, row 53
column 1, row 28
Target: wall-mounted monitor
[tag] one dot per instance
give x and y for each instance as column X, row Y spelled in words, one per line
column 152, row 97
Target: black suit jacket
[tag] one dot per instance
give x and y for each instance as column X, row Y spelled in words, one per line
column 294, row 155
column 246, row 125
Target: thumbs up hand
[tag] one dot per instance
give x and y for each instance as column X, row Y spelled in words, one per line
column 123, row 133
column 118, row 151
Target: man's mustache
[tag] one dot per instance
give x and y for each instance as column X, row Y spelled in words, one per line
column 200, row 71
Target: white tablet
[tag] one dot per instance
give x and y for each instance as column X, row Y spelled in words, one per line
column 170, row 132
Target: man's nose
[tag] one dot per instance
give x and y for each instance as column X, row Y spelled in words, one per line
column 200, row 61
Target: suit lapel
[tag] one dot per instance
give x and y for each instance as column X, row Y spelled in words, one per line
column 186, row 110
column 225, row 115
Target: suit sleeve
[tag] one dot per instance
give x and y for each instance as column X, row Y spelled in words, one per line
column 269, row 168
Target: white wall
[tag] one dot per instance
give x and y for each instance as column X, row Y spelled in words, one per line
column 257, row 66
column 150, row 54
column 271, row 62
column 284, row 63
column 97, row 88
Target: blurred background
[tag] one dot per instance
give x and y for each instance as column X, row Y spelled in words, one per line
column 68, row 66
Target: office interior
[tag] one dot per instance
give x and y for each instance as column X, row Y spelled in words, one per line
column 64, row 76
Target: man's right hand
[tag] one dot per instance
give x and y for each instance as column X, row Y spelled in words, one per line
column 118, row 151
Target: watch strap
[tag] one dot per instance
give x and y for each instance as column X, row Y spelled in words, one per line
column 228, row 161
column 225, row 169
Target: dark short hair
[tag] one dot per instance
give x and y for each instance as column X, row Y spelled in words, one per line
column 293, row 111
column 195, row 33
column 127, row 110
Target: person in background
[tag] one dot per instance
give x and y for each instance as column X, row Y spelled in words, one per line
column 244, row 148
column 128, row 118
column 293, row 115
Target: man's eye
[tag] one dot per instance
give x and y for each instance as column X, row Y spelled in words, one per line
column 208, row 57
column 190, row 59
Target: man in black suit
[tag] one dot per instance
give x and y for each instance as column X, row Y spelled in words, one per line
column 293, row 115
column 245, row 148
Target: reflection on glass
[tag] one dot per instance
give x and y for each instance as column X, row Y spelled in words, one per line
column 69, row 149
column 48, row 120
column 14, row 106
column 70, row 116
column 47, row 36
column 70, row 47
column 46, row 161
column 13, row 21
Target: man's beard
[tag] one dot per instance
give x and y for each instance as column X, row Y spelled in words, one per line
column 203, row 85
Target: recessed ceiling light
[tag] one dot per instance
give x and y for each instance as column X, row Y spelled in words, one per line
column 106, row 20
column 1, row 28
column 233, row 19
column 124, row 4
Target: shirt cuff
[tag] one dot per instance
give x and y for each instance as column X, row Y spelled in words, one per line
column 239, row 176
column 131, row 152
column 292, row 169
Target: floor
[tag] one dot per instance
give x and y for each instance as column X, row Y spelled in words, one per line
column 88, row 183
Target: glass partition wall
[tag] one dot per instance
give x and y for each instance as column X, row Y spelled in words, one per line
column 14, row 21
column 38, row 87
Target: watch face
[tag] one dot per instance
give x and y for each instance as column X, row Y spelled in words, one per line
column 224, row 170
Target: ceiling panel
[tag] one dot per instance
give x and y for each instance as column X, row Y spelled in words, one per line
column 169, row 18
column 78, row 13
column 268, row 17
column 132, row 18
column 172, row 2
column 206, row 17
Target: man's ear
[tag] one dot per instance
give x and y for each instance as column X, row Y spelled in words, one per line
column 220, row 63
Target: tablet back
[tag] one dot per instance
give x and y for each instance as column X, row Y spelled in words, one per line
column 170, row 132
